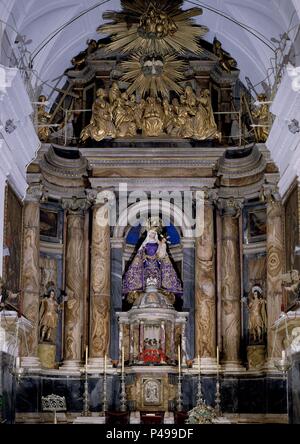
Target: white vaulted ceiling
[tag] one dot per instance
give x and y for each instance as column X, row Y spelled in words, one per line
column 37, row 19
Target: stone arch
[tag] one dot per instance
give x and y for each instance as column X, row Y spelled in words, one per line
column 180, row 219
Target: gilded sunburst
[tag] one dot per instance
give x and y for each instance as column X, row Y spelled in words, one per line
column 153, row 74
column 158, row 27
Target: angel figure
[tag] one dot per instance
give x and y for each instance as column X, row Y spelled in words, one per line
column 257, row 315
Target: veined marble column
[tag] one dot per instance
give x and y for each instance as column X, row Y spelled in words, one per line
column 274, row 269
column 205, row 294
column 188, row 252
column 100, row 285
column 230, row 284
column 74, row 271
column 115, row 294
column 31, row 275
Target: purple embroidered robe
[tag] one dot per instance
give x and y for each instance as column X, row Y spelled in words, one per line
column 147, row 266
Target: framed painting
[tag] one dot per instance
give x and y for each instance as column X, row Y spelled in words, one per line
column 257, row 225
column 51, row 220
column 13, row 229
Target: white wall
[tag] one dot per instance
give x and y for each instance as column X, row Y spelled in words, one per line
column 283, row 144
column 19, row 148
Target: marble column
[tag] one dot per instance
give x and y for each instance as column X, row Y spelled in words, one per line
column 230, row 284
column 274, row 270
column 116, row 293
column 31, row 275
column 74, row 281
column 100, row 285
column 205, row 293
column 188, row 253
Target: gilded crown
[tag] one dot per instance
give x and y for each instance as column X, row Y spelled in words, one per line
column 155, row 224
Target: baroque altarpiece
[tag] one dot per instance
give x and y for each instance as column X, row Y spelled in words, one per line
column 114, row 277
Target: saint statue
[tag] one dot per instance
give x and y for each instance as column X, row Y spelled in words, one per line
column 205, row 126
column 49, row 317
column 152, row 266
column 101, row 125
column 43, row 119
column 257, row 315
column 261, row 116
column 226, row 62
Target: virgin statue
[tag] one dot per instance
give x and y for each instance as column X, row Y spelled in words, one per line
column 152, row 267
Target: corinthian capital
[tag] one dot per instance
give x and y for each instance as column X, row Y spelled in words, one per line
column 34, row 192
column 270, row 194
column 230, row 206
column 75, row 204
column 210, row 195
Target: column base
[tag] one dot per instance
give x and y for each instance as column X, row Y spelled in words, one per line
column 206, row 364
column 269, row 366
column 31, row 362
column 71, row 366
column 232, row 367
column 98, row 364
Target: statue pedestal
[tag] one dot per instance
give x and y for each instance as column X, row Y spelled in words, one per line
column 169, row 418
column 135, row 418
column 46, row 353
column 11, row 326
column 256, row 355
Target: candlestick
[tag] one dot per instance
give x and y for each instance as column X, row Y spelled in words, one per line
column 179, row 360
column 105, row 406
column 122, row 360
column 283, row 355
column 86, row 356
column 218, row 359
column 199, row 391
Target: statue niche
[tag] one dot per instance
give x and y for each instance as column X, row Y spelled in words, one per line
column 152, row 266
column 151, row 285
